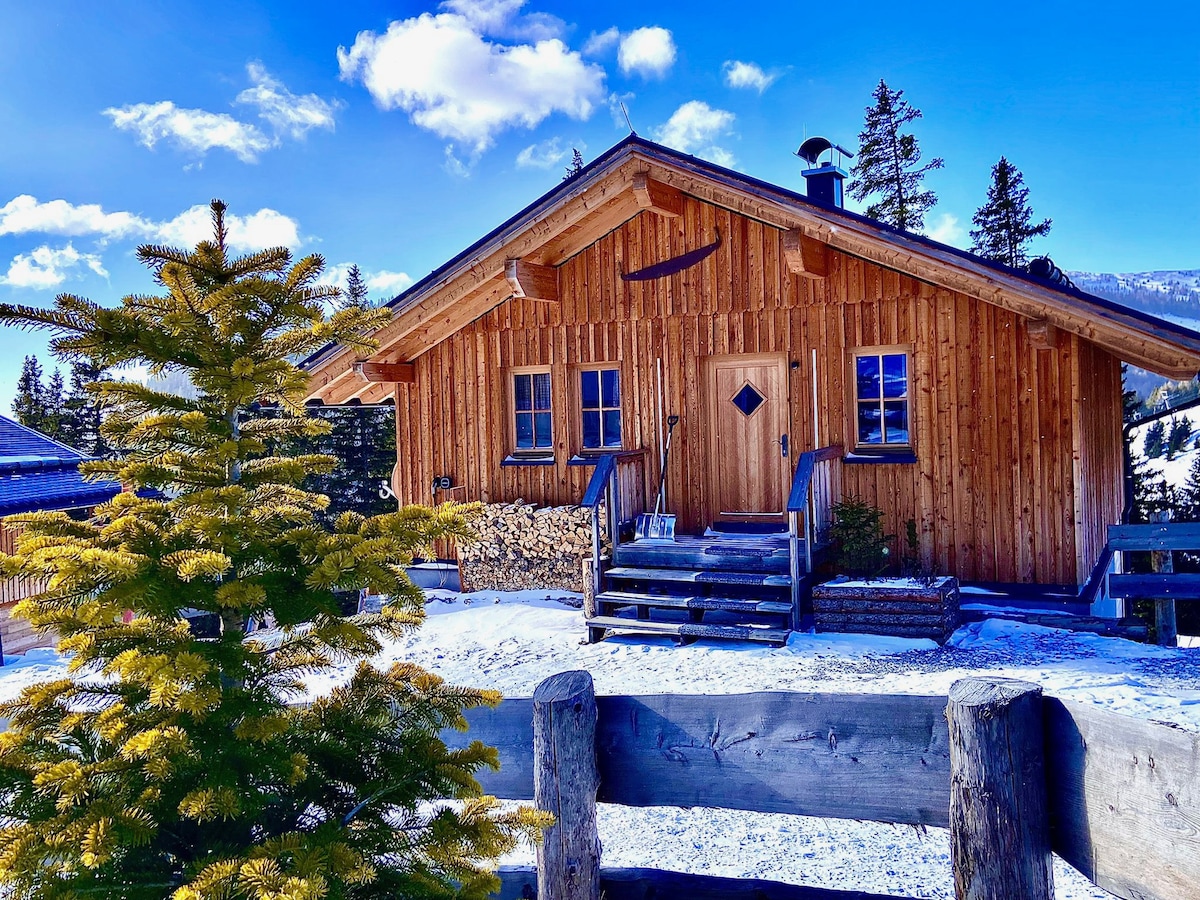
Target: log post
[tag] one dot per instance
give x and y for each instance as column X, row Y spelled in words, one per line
column 1164, row 607
column 565, row 782
column 999, row 826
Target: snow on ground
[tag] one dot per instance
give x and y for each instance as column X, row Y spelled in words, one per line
column 511, row 641
column 1173, row 471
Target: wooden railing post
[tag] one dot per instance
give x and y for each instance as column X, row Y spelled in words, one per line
column 1164, row 607
column 565, row 782
column 999, row 826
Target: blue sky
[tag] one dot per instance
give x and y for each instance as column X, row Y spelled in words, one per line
column 394, row 134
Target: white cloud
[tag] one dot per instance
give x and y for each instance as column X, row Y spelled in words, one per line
column 695, row 127
column 451, row 80
column 47, row 267
column 740, row 74
column 599, row 43
column 257, row 231
column 25, row 214
column 381, row 281
column 193, row 130
column 947, row 230
column 545, row 155
column 649, row 52
column 499, row 18
column 285, row 112
column 198, row 130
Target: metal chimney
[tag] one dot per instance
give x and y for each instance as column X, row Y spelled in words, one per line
column 824, row 179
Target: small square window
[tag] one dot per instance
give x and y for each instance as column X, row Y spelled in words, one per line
column 882, row 390
column 600, row 408
column 533, row 427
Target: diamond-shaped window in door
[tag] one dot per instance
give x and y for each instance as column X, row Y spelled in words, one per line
column 748, row 399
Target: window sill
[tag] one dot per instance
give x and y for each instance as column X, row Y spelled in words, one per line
column 591, row 457
column 527, row 461
column 894, row 457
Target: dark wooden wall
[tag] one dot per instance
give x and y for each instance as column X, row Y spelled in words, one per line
column 1018, row 449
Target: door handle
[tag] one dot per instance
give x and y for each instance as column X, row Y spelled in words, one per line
column 783, row 445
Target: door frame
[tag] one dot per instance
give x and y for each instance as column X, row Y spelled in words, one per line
column 710, row 363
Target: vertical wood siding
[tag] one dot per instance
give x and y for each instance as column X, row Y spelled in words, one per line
column 1018, row 450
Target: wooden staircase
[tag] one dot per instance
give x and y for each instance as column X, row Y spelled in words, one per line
column 713, row 586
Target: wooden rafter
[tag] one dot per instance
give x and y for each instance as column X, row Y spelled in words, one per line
column 531, row 281
column 385, row 372
column 805, row 255
column 657, row 197
column 1042, row 334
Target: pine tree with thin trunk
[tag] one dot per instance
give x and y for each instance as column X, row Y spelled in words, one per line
column 1004, row 224
column 29, row 406
column 54, row 415
column 355, row 294
column 576, row 165
column 167, row 765
column 83, row 413
column 889, row 163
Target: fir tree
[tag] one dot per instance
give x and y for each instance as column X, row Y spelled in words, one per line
column 1155, row 441
column 1179, row 435
column 53, row 407
column 29, row 406
column 1004, row 224
column 355, row 294
column 576, row 165
column 169, row 766
column 363, row 441
column 889, row 163
column 83, row 413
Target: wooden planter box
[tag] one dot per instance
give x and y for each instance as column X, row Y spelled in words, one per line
column 900, row 607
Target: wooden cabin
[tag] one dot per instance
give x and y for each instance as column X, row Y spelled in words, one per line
column 37, row 474
column 810, row 353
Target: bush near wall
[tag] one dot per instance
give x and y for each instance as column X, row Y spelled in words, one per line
column 521, row 546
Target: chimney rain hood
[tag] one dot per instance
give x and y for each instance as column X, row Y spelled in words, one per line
column 824, row 180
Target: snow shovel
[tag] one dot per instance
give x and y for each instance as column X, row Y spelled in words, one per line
column 658, row 526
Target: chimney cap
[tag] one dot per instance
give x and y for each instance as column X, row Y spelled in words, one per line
column 810, row 151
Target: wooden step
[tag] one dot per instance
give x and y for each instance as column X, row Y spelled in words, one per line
column 692, row 576
column 671, row 601
column 698, row 553
column 692, row 630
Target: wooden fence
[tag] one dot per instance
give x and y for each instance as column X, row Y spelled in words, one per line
column 1012, row 774
column 1164, row 586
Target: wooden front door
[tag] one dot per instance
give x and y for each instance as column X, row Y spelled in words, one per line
column 748, row 424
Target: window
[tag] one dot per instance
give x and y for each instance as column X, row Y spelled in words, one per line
column 600, row 408
column 881, row 378
column 533, row 428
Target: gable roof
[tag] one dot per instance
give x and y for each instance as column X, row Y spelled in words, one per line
column 38, row 474
column 580, row 210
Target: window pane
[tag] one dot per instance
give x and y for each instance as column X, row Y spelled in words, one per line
column 869, row 431
column 868, row 377
column 591, row 429
column 612, row 428
column 895, row 416
column 590, row 389
column 541, row 390
column 895, row 375
column 611, row 382
column 524, row 431
column 522, row 391
column 541, row 430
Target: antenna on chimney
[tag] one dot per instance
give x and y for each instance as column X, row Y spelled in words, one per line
column 627, row 119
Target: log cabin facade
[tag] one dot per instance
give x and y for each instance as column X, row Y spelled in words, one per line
column 978, row 401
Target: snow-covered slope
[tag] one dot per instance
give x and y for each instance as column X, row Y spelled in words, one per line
column 1173, row 471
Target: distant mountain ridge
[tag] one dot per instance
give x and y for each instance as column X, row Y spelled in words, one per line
column 1170, row 293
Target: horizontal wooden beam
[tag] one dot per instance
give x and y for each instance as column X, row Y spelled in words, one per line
column 1158, row 536
column 1042, row 334
column 531, row 281
column 805, row 255
column 390, row 373
column 657, row 197
column 1155, row 586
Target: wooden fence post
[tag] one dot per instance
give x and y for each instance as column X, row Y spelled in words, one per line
column 565, row 782
column 999, row 827
column 1164, row 608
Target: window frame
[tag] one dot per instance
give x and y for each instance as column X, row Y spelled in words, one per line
column 884, row 449
column 577, row 405
column 530, row 453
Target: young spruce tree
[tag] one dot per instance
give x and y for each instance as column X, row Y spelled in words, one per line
column 169, row 766
column 889, row 163
column 1004, row 224
column 29, row 406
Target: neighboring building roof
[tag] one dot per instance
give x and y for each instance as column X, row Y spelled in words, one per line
column 38, row 473
column 583, row 208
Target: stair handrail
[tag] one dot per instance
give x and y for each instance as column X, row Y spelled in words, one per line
column 599, row 488
column 800, row 503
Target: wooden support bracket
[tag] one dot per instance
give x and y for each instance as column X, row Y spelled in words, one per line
column 386, row 373
column 1042, row 335
column 531, row 281
column 658, row 198
column 805, row 255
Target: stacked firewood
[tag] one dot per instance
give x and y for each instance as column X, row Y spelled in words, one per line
column 521, row 546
